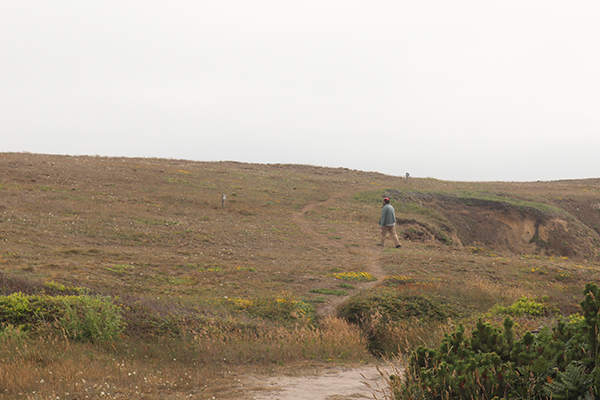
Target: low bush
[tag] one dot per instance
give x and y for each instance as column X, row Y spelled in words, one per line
column 492, row 363
column 383, row 312
column 82, row 318
column 396, row 305
column 526, row 306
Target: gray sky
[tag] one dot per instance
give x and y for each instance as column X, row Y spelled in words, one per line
column 455, row 90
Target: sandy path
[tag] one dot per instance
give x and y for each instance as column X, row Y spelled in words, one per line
column 336, row 383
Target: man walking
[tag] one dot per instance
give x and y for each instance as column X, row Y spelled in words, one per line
column 387, row 223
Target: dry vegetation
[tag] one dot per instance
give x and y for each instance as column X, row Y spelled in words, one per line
column 201, row 284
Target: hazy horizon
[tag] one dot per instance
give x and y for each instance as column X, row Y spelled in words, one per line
column 461, row 91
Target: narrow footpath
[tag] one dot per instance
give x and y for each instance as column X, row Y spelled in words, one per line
column 336, row 382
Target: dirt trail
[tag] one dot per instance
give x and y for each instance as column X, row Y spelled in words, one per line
column 335, row 383
column 299, row 218
column 369, row 252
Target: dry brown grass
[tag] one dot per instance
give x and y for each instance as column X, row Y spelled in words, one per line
column 73, row 219
column 196, row 364
column 155, row 231
column 57, row 368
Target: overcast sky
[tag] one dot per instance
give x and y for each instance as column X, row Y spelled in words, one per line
column 455, row 90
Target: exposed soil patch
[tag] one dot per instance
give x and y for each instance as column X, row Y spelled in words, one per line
column 507, row 226
column 336, row 383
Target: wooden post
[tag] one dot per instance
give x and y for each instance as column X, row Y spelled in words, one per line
column 223, row 201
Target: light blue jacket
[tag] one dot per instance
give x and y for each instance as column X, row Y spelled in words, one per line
column 388, row 217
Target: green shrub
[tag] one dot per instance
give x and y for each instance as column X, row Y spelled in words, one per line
column 317, row 300
column 91, row 318
column 26, row 311
column 396, row 305
column 369, row 197
column 526, row 306
column 60, row 289
column 381, row 313
column 573, row 384
column 83, row 318
column 488, row 364
column 491, row 363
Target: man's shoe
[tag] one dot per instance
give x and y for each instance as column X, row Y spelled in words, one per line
column 398, row 246
column 379, row 244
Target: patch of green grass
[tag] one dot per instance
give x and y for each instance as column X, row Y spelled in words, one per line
column 468, row 195
column 345, row 285
column 53, row 287
column 355, row 276
column 119, row 268
column 334, row 292
column 369, row 197
column 534, row 307
column 317, row 300
column 427, row 212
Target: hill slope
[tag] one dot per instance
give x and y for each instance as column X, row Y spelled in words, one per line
column 158, row 226
column 510, row 221
column 183, row 262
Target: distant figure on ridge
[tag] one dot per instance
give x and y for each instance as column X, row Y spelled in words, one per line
column 387, row 223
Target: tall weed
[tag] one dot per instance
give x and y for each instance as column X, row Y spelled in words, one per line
column 332, row 339
column 91, row 318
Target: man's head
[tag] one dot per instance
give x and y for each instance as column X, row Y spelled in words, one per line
column 386, row 201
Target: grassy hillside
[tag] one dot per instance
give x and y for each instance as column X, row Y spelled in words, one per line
column 202, row 282
column 159, row 227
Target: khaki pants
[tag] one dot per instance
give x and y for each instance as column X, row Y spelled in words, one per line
column 391, row 229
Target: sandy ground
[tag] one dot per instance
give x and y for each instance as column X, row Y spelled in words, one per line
column 336, row 383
